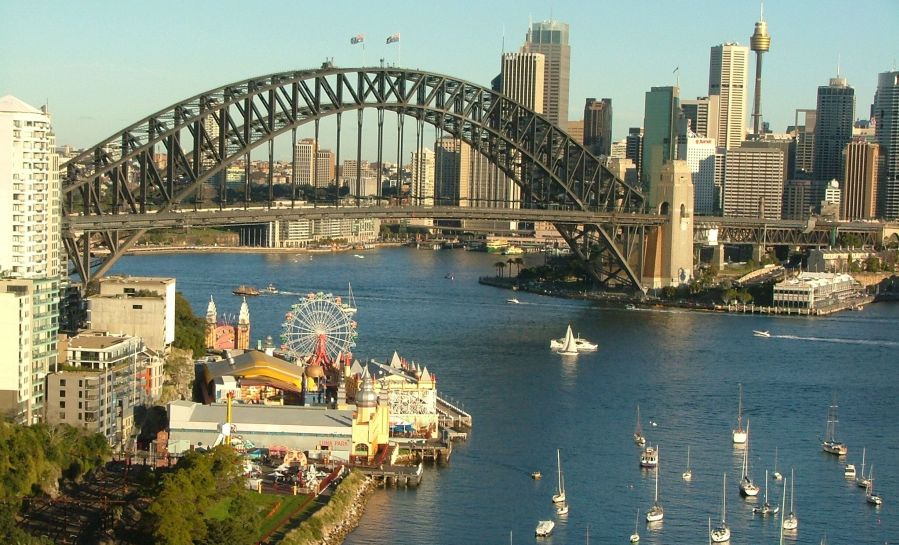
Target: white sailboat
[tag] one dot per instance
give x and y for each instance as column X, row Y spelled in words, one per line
column 739, row 434
column 560, row 496
column 870, row 496
column 350, row 306
column 791, row 521
column 569, row 345
column 830, row 443
column 635, row 537
column 638, row 430
column 747, row 487
column 776, row 475
column 655, row 513
column 562, row 508
column 766, row 509
column 862, row 481
column 688, row 474
column 721, row 533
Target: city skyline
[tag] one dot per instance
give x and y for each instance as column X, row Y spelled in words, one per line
column 616, row 52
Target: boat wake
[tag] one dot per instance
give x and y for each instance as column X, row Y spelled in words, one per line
column 865, row 342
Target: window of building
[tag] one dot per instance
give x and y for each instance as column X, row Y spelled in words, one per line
column 62, row 393
column 62, row 404
column 137, row 307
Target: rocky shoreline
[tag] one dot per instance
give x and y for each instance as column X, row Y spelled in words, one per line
column 341, row 515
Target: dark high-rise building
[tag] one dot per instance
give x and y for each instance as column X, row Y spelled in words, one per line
column 804, row 131
column 833, row 128
column 699, row 114
column 660, row 117
column 598, row 126
column 634, row 149
column 886, row 116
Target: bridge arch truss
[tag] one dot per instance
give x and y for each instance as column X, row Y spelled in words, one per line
column 203, row 135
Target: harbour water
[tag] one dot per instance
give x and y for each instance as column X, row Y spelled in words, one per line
column 683, row 368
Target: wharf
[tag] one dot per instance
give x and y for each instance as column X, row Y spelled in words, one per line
column 855, row 303
column 451, row 416
column 391, row 475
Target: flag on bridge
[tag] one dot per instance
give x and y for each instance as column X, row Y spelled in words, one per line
column 357, row 39
column 393, row 38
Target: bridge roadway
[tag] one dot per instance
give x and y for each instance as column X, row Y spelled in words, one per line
column 188, row 217
column 730, row 230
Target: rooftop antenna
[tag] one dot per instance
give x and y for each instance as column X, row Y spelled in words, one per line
column 838, row 65
column 504, row 38
column 762, row 11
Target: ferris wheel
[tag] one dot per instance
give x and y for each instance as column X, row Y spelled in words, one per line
column 318, row 323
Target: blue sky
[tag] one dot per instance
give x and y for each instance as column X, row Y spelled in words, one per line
column 102, row 65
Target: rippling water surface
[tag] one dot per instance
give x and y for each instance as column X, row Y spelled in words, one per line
column 681, row 367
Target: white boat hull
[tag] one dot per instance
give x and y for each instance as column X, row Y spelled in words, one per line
column 790, row 522
column 559, row 498
column 749, row 490
column 740, row 437
column 654, row 516
column 833, row 447
column 544, row 528
column 720, row 534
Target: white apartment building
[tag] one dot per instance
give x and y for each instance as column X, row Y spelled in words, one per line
column 423, row 164
column 140, row 306
column 305, row 155
column 699, row 153
column 729, row 81
column 30, row 263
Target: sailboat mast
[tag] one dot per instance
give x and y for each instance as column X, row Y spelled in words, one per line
column 792, row 493
column 559, row 466
column 724, row 501
column 740, row 409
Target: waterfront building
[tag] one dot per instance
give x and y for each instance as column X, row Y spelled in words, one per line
column 753, row 183
column 223, row 334
column 522, row 76
column 31, row 269
column 452, row 183
column 661, row 112
column 142, row 307
column 308, row 232
column 699, row 153
column 834, row 118
column 813, row 290
column 598, row 126
column 804, row 132
column 411, row 393
column 550, row 38
column 886, row 116
column 860, row 179
column 305, row 156
column 728, row 80
column 103, row 379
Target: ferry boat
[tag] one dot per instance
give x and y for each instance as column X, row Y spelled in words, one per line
column 512, row 250
column 247, row 291
column 496, row 246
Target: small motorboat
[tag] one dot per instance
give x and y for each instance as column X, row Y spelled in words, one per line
column 513, row 301
column 849, row 471
column 544, row 528
column 630, row 307
column 270, row 289
column 759, row 333
column 359, row 256
column 536, row 475
column 649, row 458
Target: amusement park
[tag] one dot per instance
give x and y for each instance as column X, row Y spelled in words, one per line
column 308, row 405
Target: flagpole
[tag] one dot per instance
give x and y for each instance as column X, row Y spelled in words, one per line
column 363, row 53
column 399, row 45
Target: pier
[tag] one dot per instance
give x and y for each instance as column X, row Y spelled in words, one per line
column 391, row 475
column 451, row 416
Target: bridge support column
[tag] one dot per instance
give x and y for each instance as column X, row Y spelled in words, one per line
column 669, row 251
column 718, row 257
column 758, row 252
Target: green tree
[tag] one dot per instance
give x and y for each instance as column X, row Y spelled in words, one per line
column 500, row 267
column 872, row 264
column 744, row 296
column 190, row 333
column 518, row 263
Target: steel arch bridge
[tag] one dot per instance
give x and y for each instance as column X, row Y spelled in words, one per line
column 204, row 134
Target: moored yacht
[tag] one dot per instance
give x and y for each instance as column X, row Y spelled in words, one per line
column 739, row 434
column 649, row 457
column 830, row 443
column 544, row 528
column 747, row 487
column 721, row 532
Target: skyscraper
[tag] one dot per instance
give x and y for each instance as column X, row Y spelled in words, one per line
column 634, row 149
column 859, row 200
column 662, row 109
column 728, row 75
column 886, row 115
column 598, row 126
column 702, row 113
column 804, row 129
column 699, row 154
column 325, row 168
column 833, row 128
column 550, row 38
column 30, row 264
column 305, row 154
column 522, row 79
